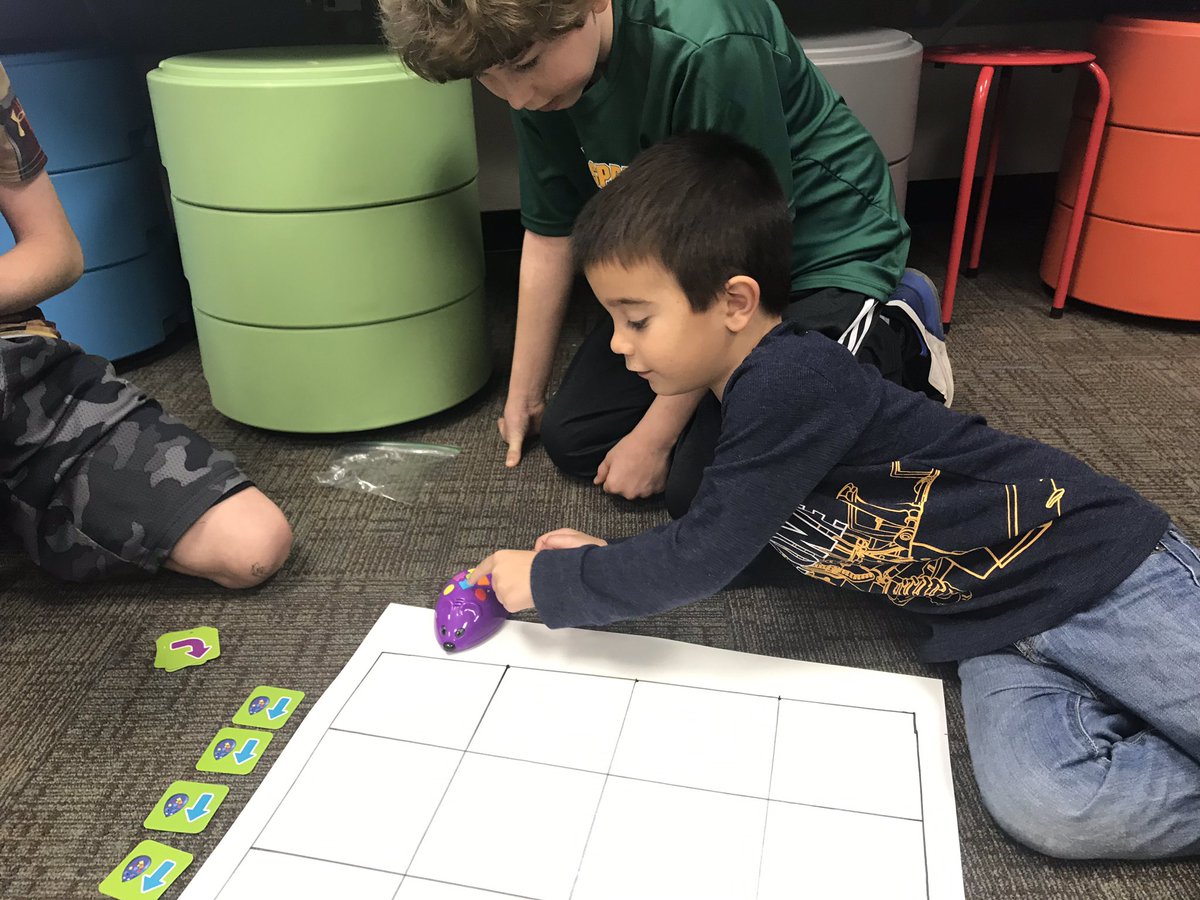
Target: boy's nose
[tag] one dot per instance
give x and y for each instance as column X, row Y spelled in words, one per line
column 522, row 99
column 508, row 89
column 519, row 93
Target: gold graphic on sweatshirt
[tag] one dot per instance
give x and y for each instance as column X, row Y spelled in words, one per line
column 1054, row 501
column 878, row 551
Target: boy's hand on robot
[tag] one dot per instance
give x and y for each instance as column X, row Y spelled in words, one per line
column 476, row 602
column 509, row 572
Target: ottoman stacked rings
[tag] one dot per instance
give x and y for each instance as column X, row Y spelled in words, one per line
column 90, row 115
column 328, row 217
column 1140, row 247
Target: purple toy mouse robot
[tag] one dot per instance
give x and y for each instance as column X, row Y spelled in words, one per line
column 467, row 614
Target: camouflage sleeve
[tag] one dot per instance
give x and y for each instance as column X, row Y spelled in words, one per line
column 21, row 156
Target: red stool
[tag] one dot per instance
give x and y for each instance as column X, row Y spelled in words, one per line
column 1005, row 59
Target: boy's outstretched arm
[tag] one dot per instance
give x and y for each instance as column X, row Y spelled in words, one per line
column 543, row 292
column 792, row 412
column 47, row 258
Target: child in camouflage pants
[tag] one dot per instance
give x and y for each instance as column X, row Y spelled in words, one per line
column 95, row 478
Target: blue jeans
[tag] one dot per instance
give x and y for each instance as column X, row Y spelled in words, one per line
column 1085, row 738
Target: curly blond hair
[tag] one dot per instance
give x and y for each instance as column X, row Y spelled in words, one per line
column 444, row 40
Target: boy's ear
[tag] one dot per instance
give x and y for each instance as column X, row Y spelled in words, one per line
column 599, row 6
column 741, row 297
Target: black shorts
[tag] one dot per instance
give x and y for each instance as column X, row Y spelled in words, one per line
column 95, row 478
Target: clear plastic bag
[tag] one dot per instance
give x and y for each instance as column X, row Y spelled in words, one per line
column 393, row 470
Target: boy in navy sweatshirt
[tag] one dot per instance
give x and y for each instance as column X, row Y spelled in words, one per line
column 1069, row 601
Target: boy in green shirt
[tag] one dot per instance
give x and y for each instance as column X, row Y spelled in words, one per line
column 592, row 83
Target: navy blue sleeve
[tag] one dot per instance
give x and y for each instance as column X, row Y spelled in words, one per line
column 785, row 426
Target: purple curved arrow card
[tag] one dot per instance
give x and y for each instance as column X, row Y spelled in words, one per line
column 177, row 650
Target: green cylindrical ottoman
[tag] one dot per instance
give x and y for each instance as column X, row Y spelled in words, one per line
column 328, row 218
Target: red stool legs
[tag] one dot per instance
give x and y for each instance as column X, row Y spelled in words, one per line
column 1067, row 267
column 966, row 182
column 989, row 174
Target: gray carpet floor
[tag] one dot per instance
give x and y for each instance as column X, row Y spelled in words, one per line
column 90, row 733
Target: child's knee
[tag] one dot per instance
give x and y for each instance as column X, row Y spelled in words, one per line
column 1076, row 816
column 1039, row 824
column 239, row 543
column 259, row 556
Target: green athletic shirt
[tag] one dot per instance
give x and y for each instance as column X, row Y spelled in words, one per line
column 730, row 66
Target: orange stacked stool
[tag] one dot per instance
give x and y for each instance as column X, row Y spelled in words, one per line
column 992, row 59
column 1140, row 250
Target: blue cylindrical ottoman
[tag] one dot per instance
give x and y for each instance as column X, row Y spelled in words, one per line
column 92, row 117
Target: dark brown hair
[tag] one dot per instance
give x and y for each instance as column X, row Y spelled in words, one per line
column 702, row 204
